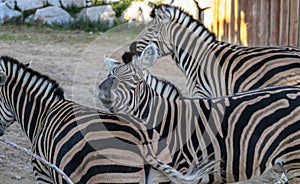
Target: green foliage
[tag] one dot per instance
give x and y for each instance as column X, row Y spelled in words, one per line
column 120, row 6
column 88, row 25
column 78, row 24
column 98, row 2
column 73, row 10
column 15, row 21
column 157, row 2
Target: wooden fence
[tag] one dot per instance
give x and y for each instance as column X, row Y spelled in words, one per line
column 257, row 22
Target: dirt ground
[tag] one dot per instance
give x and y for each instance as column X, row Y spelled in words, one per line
column 75, row 60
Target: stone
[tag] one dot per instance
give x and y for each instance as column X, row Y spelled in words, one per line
column 54, row 3
column 52, row 15
column 30, row 5
column 137, row 11
column 97, row 13
column 10, row 3
column 77, row 3
column 7, row 13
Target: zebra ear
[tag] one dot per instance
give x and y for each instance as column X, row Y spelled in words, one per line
column 163, row 16
column 148, row 56
column 111, row 63
column 161, row 13
column 3, row 78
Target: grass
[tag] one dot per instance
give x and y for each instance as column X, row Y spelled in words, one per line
column 88, row 26
column 126, row 29
column 73, row 10
column 42, row 33
column 6, row 37
column 78, row 24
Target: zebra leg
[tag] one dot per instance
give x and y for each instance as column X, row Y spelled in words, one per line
column 198, row 171
column 291, row 169
column 205, row 166
column 275, row 174
column 293, row 175
column 41, row 173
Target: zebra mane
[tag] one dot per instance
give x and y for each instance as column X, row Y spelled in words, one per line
column 58, row 91
column 178, row 15
column 162, row 86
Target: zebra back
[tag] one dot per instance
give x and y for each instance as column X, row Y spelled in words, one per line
column 213, row 68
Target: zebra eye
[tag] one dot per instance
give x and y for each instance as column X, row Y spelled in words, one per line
column 155, row 33
column 135, row 77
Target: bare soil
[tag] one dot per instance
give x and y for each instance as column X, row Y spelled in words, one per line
column 75, row 60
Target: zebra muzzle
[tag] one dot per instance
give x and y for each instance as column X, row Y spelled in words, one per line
column 105, row 90
column 1, row 130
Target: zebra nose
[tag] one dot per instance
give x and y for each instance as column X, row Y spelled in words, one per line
column 108, row 84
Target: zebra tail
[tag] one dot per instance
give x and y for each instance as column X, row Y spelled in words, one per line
column 197, row 172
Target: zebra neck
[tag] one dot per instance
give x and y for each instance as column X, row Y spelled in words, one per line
column 162, row 87
column 145, row 103
column 188, row 24
column 32, row 99
column 189, row 51
column 179, row 115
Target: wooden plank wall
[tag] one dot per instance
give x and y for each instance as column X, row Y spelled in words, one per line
column 257, row 22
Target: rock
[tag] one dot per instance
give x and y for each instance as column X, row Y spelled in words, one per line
column 77, row 3
column 54, row 3
column 10, row 3
column 30, row 5
column 98, row 13
column 7, row 13
column 137, row 11
column 52, row 15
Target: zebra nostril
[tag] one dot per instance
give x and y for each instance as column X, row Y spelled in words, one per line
column 108, row 84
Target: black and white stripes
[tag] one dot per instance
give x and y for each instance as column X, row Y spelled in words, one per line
column 250, row 132
column 90, row 146
column 214, row 68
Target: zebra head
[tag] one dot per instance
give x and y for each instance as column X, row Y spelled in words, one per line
column 6, row 115
column 156, row 32
column 119, row 92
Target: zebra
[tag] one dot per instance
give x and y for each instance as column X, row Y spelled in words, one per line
column 250, row 131
column 213, row 68
column 159, row 84
column 88, row 145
